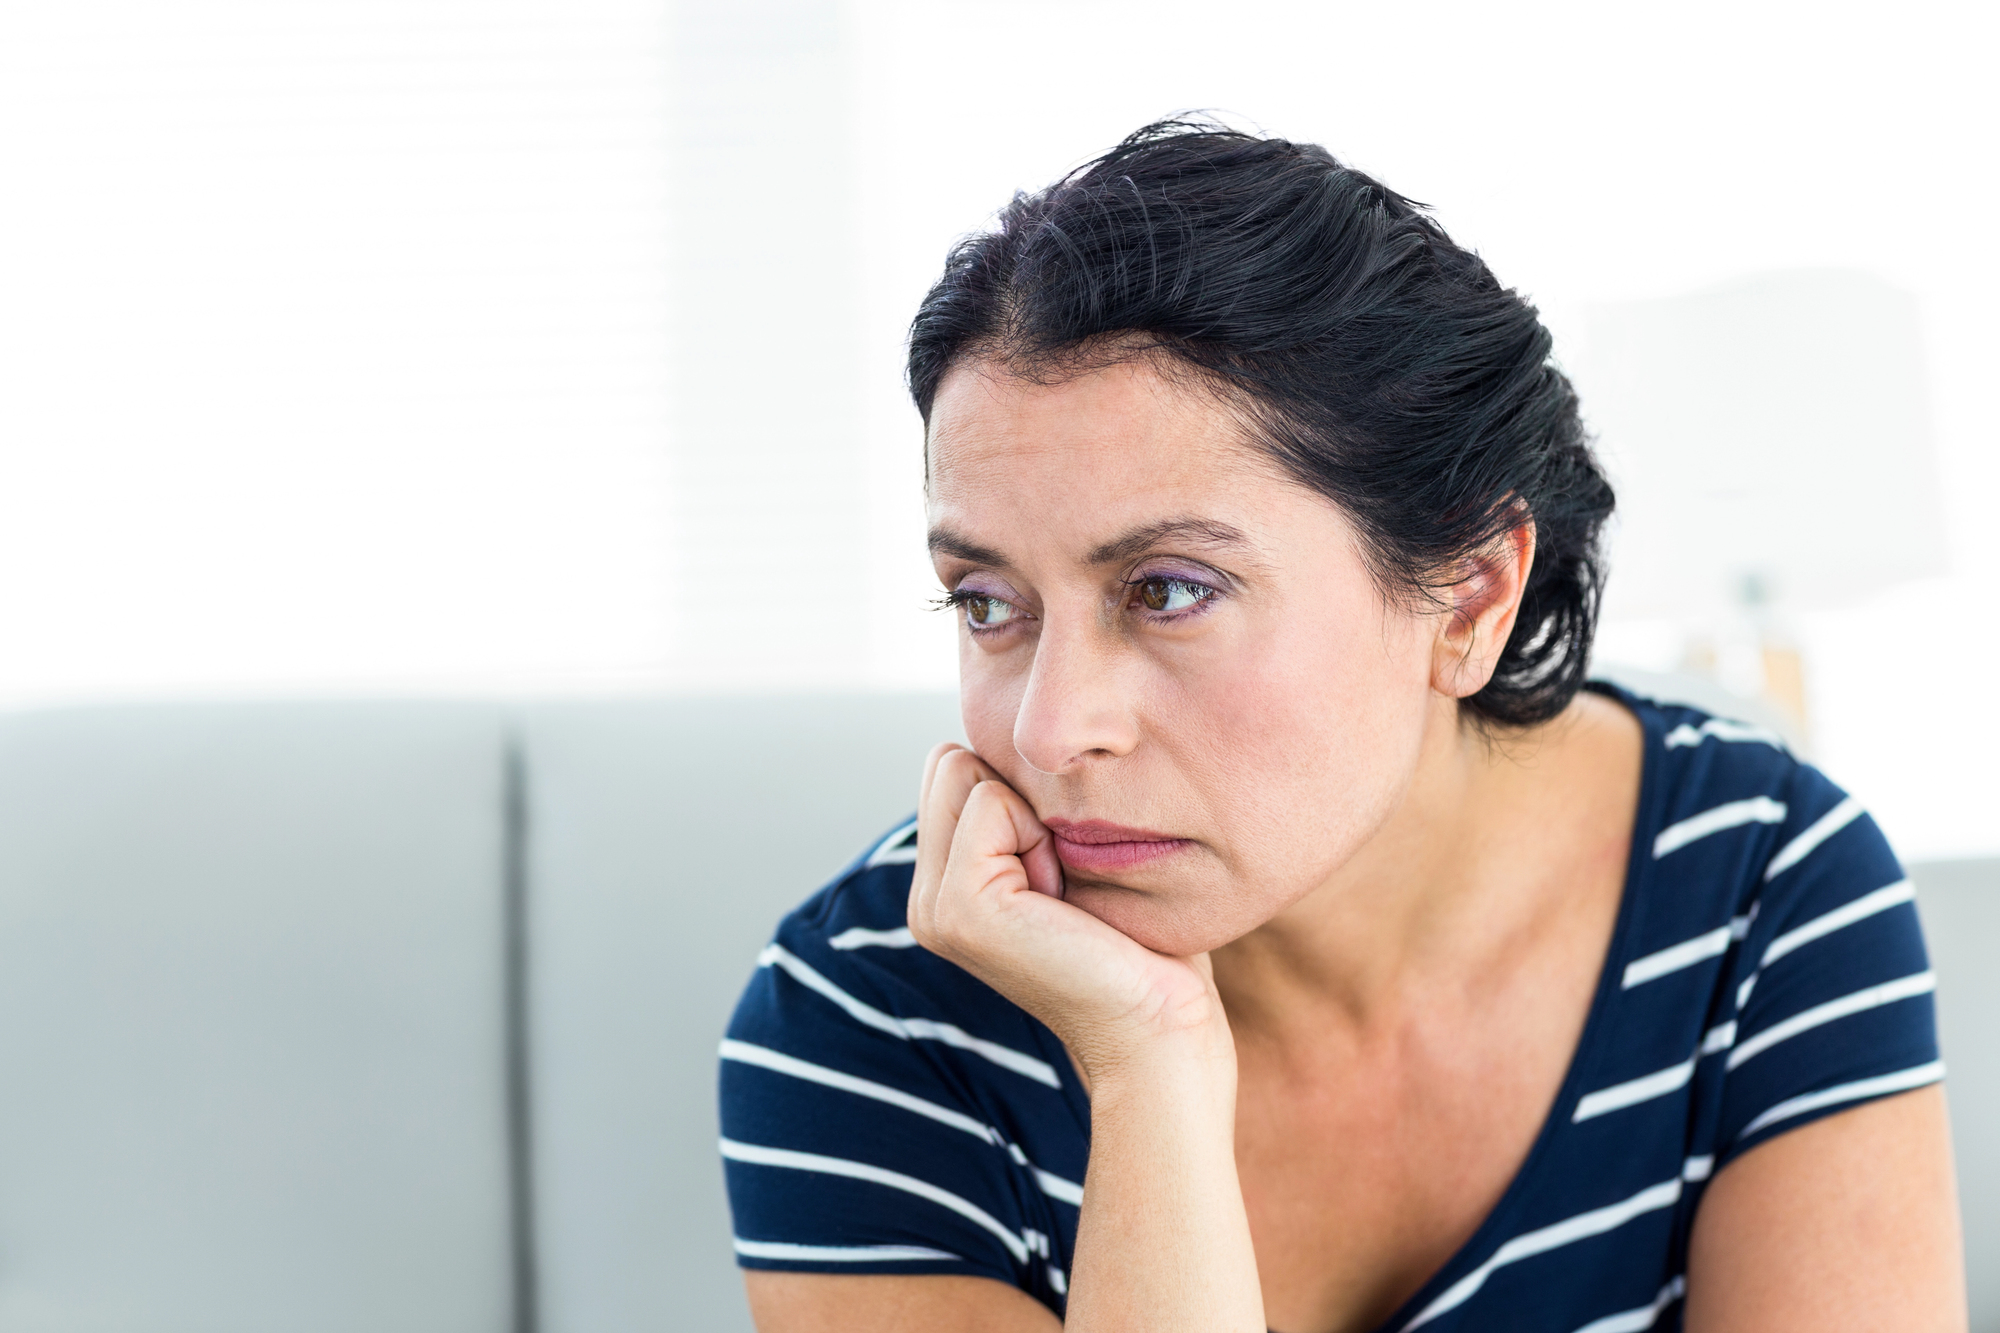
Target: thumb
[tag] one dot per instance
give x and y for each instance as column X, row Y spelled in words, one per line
column 1043, row 867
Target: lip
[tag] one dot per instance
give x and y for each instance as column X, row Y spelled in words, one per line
column 1097, row 845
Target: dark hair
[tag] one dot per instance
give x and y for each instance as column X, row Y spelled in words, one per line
column 1379, row 363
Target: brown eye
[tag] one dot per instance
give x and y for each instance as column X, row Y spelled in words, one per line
column 987, row 611
column 1160, row 594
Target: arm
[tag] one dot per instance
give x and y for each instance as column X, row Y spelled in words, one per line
column 1163, row 1243
column 1162, row 1214
column 827, row 1303
column 1850, row 1222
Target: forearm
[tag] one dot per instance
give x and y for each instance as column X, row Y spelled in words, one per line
column 1163, row 1243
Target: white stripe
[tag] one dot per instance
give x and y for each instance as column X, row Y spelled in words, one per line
column 838, row 1254
column 891, row 852
column 860, row 937
column 840, row 1166
column 1755, row 810
column 909, row 1029
column 1057, row 1188
column 1900, row 1081
column 1828, row 824
column 1637, row 1321
column 1871, row 997
column 1630, row 1093
column 1867, row 905
column 1052, row 1184
column 778, row 1062
column 1723, row 730
column 1058, row 1281
column 1698, row 1168
column 1685, row 954
column 1581, row 1227
column 1644, row 1089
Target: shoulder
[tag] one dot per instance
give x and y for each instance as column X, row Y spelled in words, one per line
column 1753, row 863
column 861, row 912
column 1727, row 805
column 1742, row 854
column 846, row 957
column 1732, row 807
column 885, row 1111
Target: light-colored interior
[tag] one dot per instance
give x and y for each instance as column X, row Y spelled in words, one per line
column 254, row 1021
column 667, row 839
column 250, row 1020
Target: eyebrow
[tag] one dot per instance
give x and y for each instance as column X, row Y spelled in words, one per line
column 1200, row 531
column 1136, row 541
column 943, row 541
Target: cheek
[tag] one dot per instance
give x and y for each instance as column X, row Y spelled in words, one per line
column 1311, row 736
column 989, row 698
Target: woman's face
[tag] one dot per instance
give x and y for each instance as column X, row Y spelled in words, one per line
column 1174, row 652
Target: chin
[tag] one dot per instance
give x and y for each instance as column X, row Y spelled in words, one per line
column 1177, row 925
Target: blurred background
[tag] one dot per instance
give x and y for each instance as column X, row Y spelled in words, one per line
column 442, row 348
column 460, row 354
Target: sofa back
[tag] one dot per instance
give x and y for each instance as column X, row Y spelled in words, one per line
column 1959, row 902
column 667, row 839
column 251, row 1020
column 403, row 1016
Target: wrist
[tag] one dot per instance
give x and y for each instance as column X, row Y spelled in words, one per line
column 1192, row 1067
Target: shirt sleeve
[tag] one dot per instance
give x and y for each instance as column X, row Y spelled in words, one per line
column 854, row 1135
column 1835, row 1004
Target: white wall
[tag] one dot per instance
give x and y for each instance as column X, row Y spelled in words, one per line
column 335, row 345
column 362, row 346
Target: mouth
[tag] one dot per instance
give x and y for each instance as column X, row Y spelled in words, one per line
column 1093, row 845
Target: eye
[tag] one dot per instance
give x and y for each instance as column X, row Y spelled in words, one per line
column 1171, row 595
column 986, row 612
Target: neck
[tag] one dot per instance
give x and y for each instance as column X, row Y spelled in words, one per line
column 1427, row 906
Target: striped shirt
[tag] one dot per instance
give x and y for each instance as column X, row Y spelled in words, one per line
column 885, row 1112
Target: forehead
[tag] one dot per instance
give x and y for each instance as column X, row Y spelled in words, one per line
column 1121, row 432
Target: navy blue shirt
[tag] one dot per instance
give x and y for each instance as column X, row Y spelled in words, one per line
column 883, row 1111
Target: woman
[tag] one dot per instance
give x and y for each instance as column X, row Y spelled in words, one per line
column 1300, row 944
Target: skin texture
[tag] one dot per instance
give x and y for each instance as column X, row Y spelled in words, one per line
column 1325, row 1003
column 1850, row 1222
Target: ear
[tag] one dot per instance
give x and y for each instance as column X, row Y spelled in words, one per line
column 1481, row 611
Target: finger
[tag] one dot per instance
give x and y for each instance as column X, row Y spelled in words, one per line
column 938, row 751
column 955, row 772
column 933, row 838
column 958, row 771
column 986, row 844
column 997, row 824
column 1044, row 866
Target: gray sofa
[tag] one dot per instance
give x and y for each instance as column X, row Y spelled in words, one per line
column 402, row 1016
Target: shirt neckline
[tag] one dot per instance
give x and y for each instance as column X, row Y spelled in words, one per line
column 1638, row 868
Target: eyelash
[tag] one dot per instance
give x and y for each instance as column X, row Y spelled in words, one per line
column 960, row 598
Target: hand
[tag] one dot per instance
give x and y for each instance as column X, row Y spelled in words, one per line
column 988, row 896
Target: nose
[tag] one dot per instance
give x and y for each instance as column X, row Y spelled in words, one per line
column 1074, row 710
